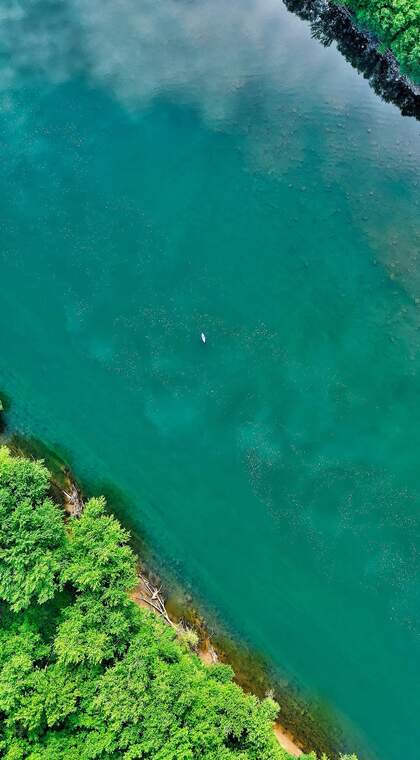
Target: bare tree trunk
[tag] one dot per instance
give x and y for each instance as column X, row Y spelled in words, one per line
column 74, row 503
column 153, row 597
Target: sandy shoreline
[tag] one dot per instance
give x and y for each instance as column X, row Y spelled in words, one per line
column 286, row 741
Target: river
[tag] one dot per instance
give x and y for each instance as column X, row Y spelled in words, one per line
column 172, row 167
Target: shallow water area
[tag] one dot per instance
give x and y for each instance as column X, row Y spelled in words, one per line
column 172, row 168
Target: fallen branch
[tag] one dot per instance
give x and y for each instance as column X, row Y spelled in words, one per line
column 74, row 503
column 155, row 599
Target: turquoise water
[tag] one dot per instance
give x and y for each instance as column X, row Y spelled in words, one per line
column 173, row 167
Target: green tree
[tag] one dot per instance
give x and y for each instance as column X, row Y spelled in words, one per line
column 99, row 560
column 397, row 23
column 31, row 533
column 184, row 710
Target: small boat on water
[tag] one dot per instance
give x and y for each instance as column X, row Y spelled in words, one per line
column 203, row 337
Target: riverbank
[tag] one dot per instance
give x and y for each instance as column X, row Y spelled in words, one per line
column 150, row 597
column 332, row 22
column 301, row 728
column 397, row 27
column 100, row 676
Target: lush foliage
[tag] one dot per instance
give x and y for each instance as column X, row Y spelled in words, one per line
column 397, row 23
column 85, row 673
column 31, row 534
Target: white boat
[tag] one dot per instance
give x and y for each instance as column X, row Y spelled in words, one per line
column 203, row 337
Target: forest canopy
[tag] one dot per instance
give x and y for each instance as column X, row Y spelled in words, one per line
column 84, row 672
column 397, row 24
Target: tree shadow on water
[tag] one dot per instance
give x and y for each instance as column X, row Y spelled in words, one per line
column 333, row 23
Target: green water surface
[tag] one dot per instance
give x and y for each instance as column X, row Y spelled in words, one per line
column 176, row 166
